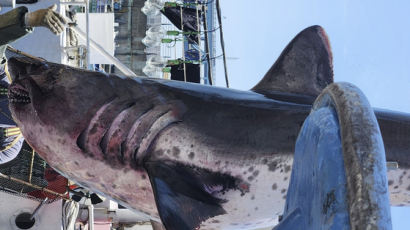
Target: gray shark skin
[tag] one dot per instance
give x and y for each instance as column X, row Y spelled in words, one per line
column 190, row 156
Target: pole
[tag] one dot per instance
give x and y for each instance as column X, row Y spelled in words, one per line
column 123, row 68
column 183, row 43
column 207, row 45
column 198, row 37
column 218, row 10
column 90, row 217
column 87, row 21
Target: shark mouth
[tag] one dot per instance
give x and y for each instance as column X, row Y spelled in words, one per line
column 18, row 94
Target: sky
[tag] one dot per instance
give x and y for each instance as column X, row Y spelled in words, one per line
column 370, row 41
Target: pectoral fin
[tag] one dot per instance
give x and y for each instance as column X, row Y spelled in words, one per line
column 184, row 194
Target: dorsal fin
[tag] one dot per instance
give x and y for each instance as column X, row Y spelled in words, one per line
column 304, row 67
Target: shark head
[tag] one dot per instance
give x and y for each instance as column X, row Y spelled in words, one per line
column 80, row 121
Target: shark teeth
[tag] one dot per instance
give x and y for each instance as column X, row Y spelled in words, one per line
column 18, row 95
column 19, row 101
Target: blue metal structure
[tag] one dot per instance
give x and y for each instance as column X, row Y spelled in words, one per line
column 188, row 46
column 339, row 172
column 210, row 16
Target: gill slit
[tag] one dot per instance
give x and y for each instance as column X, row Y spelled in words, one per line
column 146, row 134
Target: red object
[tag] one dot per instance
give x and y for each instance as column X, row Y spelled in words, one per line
column 56, row 183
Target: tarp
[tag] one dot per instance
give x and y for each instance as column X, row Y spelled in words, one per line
column 189, row 19
column 192, row 72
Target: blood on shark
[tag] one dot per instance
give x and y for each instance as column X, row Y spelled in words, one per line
column 188, row 155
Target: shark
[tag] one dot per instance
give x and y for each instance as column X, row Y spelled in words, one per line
column 187, row 155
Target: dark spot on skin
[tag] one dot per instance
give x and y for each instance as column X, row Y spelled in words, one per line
column 90, row 175
column 286, row 178
column 159, row 152
column 405, row 172
column 166, row 139
column 287, row 168
column 144, row 177
column 274, row 186
column 234, row 223
column 76, row 162
column 250, row 178
column 391, row 182
column 284, row 197
column 253, row 197
column 256, row 173
column 218, row 162
column 256, row 208
column 93, row 130
column 249, row 214
column 226, row 162
column 89, row 154
column 112, row 149
column 216, row 221
column 250, row 169
column 283, row 190
column 395, row 187
column 408, row 188
column 272, row 166
column 175, row 151
column 264, row 161
column 143, row 189
column 114, row 186
column 192, row 146
column 168, row 151
column 281, row 170
column 244, row 173
column 191, row 155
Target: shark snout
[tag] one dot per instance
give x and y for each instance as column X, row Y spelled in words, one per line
column 24, row 66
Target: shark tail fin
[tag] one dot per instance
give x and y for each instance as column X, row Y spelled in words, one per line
column 304, row 67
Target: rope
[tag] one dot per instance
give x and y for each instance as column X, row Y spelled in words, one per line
column 12, row 131
column 12, row 143
column 70, row 213
column 7, row 71
column 30, row 175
